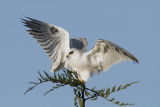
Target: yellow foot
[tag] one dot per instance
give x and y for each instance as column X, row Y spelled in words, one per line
column 80, row 79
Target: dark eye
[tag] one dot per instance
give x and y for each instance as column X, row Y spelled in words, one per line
column 71, row 52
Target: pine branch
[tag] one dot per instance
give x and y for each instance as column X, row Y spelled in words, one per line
column 82, row 93
column 106, row 93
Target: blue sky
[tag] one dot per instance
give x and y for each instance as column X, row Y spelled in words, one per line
column 132, row 24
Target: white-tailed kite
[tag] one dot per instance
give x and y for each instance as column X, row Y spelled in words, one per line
column 71, row 53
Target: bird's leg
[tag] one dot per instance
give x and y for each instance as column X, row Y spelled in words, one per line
column 82, row 81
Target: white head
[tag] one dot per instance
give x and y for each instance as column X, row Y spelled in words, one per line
column 73, row 53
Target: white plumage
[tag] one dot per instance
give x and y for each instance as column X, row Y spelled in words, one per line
column 71, row 53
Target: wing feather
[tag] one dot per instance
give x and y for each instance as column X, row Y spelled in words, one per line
column 107, row 54
column 54, row 40
column 80, row 43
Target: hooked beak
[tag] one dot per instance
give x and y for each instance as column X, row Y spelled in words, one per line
column 67, row 56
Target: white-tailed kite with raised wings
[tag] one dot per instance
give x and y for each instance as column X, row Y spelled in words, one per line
column 71, row 53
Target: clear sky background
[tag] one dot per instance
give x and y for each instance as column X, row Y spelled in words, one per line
column 132, row 24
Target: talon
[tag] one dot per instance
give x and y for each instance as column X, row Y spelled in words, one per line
column 80, row 79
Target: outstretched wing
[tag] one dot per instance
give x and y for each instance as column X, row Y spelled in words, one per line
column 54, row 40
column 107, row 53
column 80, row 43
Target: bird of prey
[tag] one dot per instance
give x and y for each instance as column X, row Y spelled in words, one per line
column 71, row 53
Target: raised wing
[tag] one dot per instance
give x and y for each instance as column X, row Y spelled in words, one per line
column 107, row 53
column 54, row 40
column 80, row 43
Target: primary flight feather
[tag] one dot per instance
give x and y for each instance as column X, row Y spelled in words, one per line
column 71, row 53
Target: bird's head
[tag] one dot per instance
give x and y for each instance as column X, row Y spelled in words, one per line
column 72, row 52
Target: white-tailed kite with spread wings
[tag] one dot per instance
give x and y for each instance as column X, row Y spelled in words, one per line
column 71, row 53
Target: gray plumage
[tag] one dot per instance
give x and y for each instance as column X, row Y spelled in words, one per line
column 80, row 44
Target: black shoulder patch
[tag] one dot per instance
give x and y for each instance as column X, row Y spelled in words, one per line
column 53, row 30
